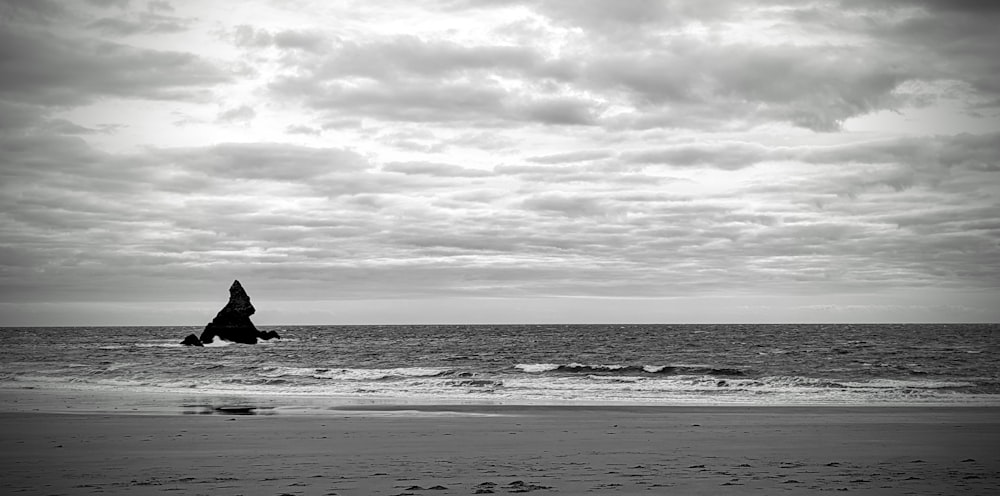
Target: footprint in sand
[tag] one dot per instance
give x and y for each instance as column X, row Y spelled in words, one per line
column 485, row 488
column 523, row 487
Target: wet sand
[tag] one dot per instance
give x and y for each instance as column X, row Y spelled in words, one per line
column 442, row 450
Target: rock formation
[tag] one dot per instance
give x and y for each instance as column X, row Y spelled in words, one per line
column 191, row 340
column 232, row 323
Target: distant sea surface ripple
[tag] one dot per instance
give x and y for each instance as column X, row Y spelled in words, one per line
column 508, row 364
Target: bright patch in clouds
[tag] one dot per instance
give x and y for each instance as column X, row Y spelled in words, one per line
column 499, row 161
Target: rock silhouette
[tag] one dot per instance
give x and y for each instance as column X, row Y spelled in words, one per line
column 232, row 323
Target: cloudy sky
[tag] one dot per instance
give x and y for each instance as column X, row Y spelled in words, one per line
column 473, row 161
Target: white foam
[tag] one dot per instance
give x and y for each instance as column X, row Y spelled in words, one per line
column 160, row 344
column 287, row 371
column 616, row 378
column 904, row 384
column 351, row 374
column 536, row 368
column 377, row 374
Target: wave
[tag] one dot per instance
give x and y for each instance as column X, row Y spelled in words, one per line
column 476, row 383
column 906, row 384
column 217, row 343
column 351, row 374
column 579, row 368
column 798, row 382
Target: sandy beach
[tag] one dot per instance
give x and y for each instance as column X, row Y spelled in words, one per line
column 441, row 450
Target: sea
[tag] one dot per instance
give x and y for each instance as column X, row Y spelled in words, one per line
column 748, row 365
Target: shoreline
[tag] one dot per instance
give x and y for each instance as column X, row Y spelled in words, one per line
column 482, row 449
column 149, row 402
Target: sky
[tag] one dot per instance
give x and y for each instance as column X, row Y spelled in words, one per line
column 472, row 161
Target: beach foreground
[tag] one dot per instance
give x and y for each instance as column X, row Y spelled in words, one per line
column 442, row 450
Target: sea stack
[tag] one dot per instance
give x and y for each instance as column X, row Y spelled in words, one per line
column 232, row 323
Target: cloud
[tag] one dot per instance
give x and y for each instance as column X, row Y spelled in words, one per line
column 156, row 19
column 565, row 111
column 241, row 114
column 63, row 126
column 322, row 216
column 673, row 76
column 433, row 169
column 618, row 19
column 811, row 87
column 635, row 67
column 17, row 116
column 250, row 37
column 159, row 5
column 407, row 78
column 265, row 161
column 568, row 205
column 414, row 101
column 32, row 11
column 932, row 156
column 569, row 157
column 721, row 155
column 47, row 69
column 127, row 27
column 503, row 149
column 961, row 37
column 300, row 129
column 407, row 56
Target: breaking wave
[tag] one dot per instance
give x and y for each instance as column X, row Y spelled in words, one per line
column 356, row 374
column 525, row 364
column 578, row 368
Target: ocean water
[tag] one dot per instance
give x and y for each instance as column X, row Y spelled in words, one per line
column 854, row 365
